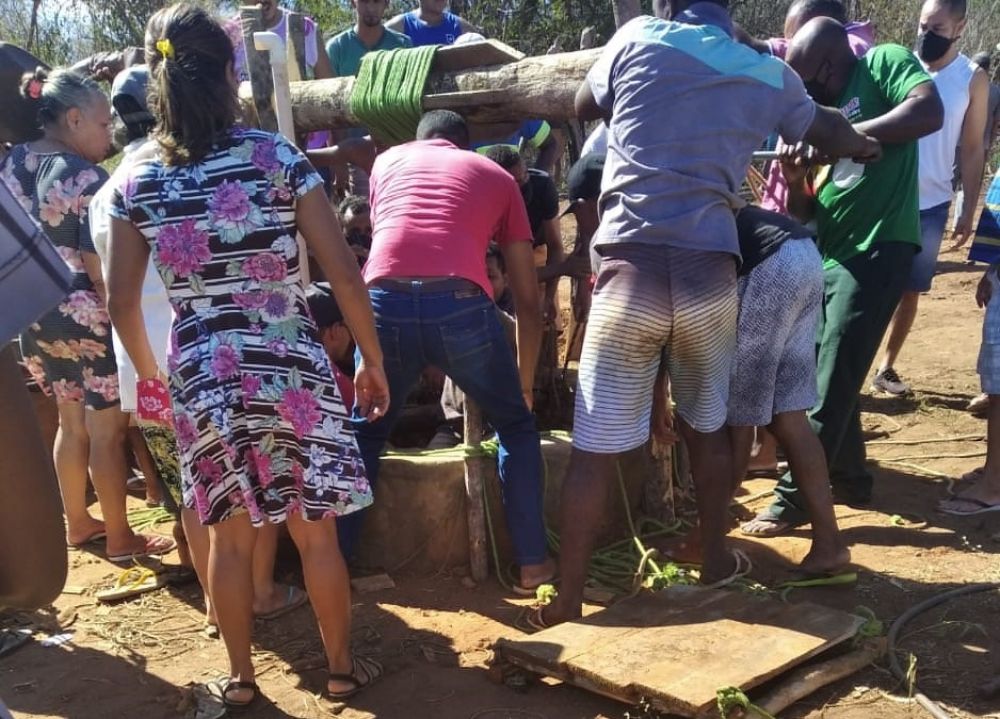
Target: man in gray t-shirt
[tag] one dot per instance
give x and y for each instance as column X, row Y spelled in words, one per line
column 686, row 106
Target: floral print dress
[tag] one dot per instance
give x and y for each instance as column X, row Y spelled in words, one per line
column 260, row 424
column 68, row 350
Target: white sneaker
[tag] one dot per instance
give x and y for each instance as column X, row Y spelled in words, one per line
column 889, row 382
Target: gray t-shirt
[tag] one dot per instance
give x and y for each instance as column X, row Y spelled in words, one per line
column 688, row 105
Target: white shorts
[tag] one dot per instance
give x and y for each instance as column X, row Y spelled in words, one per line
column 651, row 300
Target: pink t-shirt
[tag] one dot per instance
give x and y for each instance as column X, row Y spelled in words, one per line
column 435, row 209
column 861, row 36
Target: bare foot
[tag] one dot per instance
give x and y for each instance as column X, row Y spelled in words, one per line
column 139, row 545
column 720, row 568
column 555, row 613
column 764, row 526
column 683, row 550
column 283, row 599
column 535, row 575
column 79, row 535
column 825, row 563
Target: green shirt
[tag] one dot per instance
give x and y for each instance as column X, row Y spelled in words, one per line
column 346, row 49
column 860, row 205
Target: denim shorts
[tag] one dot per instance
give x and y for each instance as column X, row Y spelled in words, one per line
column 933, row 222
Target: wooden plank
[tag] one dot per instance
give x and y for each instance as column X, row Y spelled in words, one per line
column 678, row 647
column 452, row 58
column 474, row 497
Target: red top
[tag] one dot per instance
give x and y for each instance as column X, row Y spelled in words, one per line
column 435, row 208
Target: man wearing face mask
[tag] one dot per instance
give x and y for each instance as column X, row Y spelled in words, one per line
column 965, row 92
column 869, row 231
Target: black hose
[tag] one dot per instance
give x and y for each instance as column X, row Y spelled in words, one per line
column 930, row 705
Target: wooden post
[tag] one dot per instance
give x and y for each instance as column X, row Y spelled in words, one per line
column 259, row 67
column 625, row 10
column 475, row 497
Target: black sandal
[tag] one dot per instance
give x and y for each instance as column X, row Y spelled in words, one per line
column 223, row 686
column 372, row 671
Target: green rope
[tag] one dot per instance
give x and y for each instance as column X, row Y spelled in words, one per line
column 388, row 92
column 734, row 698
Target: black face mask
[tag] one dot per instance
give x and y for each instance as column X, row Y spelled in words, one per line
column 931, row 47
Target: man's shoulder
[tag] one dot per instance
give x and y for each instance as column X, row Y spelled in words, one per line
column 342, row 38
column 393, row 38
column 889, row 54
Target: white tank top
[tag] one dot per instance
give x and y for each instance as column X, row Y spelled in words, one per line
column 937, row 150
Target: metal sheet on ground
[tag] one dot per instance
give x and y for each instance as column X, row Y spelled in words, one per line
column 678, row 647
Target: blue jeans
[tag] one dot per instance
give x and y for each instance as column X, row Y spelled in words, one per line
column 458, row 331
column 933, row 222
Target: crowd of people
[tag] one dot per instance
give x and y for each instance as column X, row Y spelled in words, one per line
column 190, row 341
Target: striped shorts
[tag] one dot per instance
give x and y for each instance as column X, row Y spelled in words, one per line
column 652, row 301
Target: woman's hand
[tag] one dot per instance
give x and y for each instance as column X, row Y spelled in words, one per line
column 372, row 390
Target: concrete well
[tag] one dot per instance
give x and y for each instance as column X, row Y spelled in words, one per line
column 418, row 522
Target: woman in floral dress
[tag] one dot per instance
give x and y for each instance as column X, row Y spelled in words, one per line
column 263, row 434
column 68, row 350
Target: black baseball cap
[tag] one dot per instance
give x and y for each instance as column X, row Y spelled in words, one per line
column 323, row 305
column 584, row 179
column 128, row 96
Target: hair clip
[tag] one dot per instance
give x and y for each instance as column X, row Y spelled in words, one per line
column 166, row 48
column 34, row 89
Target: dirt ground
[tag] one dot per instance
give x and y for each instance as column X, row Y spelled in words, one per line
column 433, row 633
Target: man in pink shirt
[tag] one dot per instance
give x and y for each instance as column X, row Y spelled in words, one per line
column 860, row 35
column 435, row 207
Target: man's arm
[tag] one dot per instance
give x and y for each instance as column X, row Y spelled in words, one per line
column 520, row 263
column 833, row 135
column 549, row 152
column 468, row 26
column 554, row 257
column 397, row 23
column 972, row 155
column 742, row 36
column 586, row 106
column 920, row 114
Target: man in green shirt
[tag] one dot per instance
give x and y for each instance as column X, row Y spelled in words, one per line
column 346, row 49
column 869, row 231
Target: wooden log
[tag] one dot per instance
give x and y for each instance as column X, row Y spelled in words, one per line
column 474, row 496
column 541, row 87
column 802, row 682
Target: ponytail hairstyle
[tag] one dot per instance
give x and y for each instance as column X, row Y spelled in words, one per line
column 188, row 55
column 55, row 93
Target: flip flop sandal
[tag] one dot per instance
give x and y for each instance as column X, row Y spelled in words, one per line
column 131, row 583
column 224, row 685
column 780, row 528
column 806, row 580
column 981, row 507
column 293, row 600
column 13, row 639
column 91, row 539
column 155, row 546
column 372, row 672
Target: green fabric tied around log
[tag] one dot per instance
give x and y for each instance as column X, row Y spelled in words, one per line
column 389, row 90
